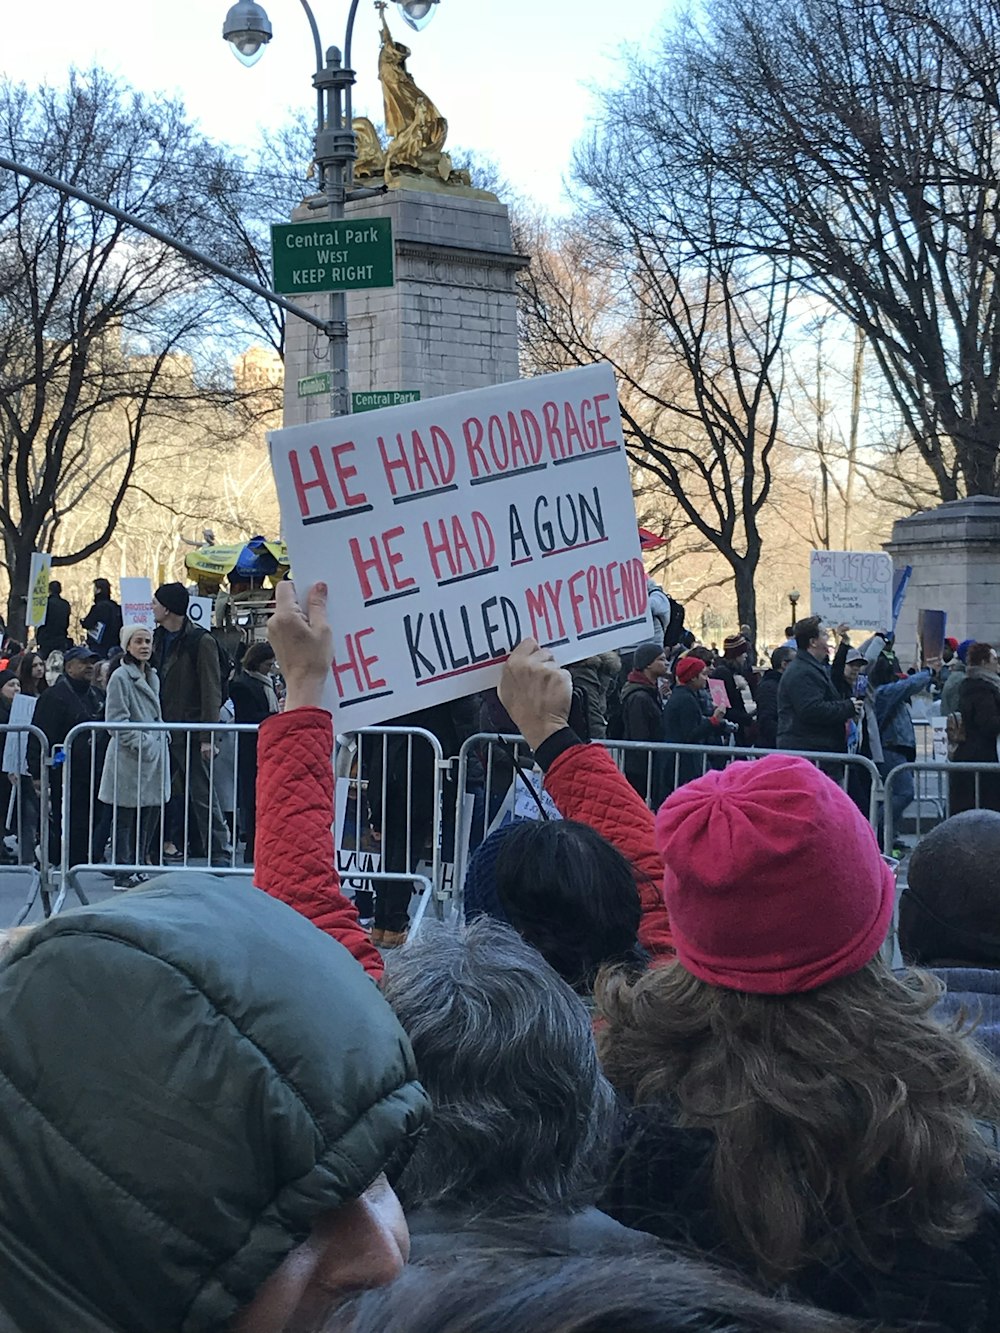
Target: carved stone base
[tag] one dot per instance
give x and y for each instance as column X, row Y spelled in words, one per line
column 450, row 321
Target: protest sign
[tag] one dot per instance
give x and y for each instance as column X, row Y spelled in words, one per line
column 137, row 602
column 852, row 588
column 38, row 587
column 719, row 695
column 930, row 634
column 200, row 612
column 15, row 749
column 448, row 530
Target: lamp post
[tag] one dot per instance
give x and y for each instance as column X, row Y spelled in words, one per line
column 248, row 30
column 793, row 602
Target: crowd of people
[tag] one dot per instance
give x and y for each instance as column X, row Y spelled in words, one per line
column 138, row 796
column 661, row 1079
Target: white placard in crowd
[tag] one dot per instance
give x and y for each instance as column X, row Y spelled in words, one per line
column 136, row 601
column 448, row 530
column 200, row 612
column 38, row 587
column 15, row 748
column 852, row 588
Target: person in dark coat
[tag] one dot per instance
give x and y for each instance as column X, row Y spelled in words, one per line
column 949, row 918
column 210, row 1076
column 979, row 704
column 684, row 723
column 812, row 715
column 642, row 720
column 73, row 699
column 767, row 698
column 53, row 633
column 795, row 1109
column 735, row 671
column 103, row 622
column 254, row 700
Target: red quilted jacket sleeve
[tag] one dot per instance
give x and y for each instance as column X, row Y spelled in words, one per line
column 586, row 785
column 295, row 858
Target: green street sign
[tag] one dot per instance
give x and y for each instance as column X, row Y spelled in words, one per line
column 371, row 402
column 341, row 256
column 313, row 384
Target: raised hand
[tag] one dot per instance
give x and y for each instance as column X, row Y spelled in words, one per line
column 535, row 692
column 303, row 643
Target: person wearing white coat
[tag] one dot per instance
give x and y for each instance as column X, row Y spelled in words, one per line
column 136, row 772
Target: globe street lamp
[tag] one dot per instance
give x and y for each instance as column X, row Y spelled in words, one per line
column 247, row 29
column 793, row 602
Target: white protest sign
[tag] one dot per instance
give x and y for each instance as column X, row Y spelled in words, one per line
column 15, row 749
column 136, row 601
column 852, row 588
column 200, row 612
column 449, row 529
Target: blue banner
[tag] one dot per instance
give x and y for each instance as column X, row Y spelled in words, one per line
column 899, row 582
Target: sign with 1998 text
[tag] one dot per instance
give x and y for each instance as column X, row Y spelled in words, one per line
column 450, row 529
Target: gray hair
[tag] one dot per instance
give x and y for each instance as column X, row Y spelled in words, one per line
column 522, row 1114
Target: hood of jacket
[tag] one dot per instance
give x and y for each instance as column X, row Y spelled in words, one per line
column 189, row 1076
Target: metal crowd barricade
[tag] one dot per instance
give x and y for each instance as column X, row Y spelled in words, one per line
column 392, row 828
column 92, row 826
column 941, row 772
column 26, row 812
column 496, row 753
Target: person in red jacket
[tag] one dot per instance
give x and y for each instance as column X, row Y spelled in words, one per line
column 296, row 861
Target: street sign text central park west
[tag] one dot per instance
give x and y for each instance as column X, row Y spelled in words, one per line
column 340, row 256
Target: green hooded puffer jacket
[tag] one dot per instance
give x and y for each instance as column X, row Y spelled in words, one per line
column 189, row 1075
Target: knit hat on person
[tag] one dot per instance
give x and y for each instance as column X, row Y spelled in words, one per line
column 963, row 648
column 481, row 896
column 774, row 882
column 687, row 668
column 952, row 644
column 735, row 646
column 128, row 631
column 173, row 597
column 6, row 676
column 644, row 654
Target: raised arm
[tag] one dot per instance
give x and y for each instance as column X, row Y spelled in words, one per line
column 584, row 780
column 295, row 856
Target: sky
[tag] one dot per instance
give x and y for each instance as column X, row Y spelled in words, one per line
column 515, row 79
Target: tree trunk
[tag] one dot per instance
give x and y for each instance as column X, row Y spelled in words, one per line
column 19, row 565
column 746, row 595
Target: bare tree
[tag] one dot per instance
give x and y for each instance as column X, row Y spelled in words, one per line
column 694, row 334
column 105, row 335
column 862, row 142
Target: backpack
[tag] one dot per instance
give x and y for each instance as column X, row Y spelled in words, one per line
column 226, row 663
column 955, row 732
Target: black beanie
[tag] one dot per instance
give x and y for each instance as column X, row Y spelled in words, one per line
column 644, row 654
column 173, row 597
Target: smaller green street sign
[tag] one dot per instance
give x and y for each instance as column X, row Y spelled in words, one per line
column 313, row 384
column 371, row 402
column 341, row 256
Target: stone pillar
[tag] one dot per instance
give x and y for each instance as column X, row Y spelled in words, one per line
column 955, row 554
column 450, row 321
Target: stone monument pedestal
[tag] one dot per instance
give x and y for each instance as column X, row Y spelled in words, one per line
column 450, row 321
column 955, row 554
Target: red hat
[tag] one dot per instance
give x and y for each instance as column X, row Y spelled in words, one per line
column 952, row 644
column 687, row 668
column 755, row 901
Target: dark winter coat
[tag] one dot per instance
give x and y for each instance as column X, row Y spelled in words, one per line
column 976, row 991
column 737, row 711
column 767, row 709
column 190, row 683
column 443, row 1234
column 53, row 632
column 103, row 623
column 58, row 711
column 596, row 676
column 979, row 704
column 812, row 715
column 642, row 720
column 171, row 1133
column 662, row 1184
column 684, row 723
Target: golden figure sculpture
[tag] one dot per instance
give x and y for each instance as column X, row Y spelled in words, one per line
column 417, row 130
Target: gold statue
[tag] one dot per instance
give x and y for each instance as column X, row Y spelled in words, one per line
column 416, row 129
